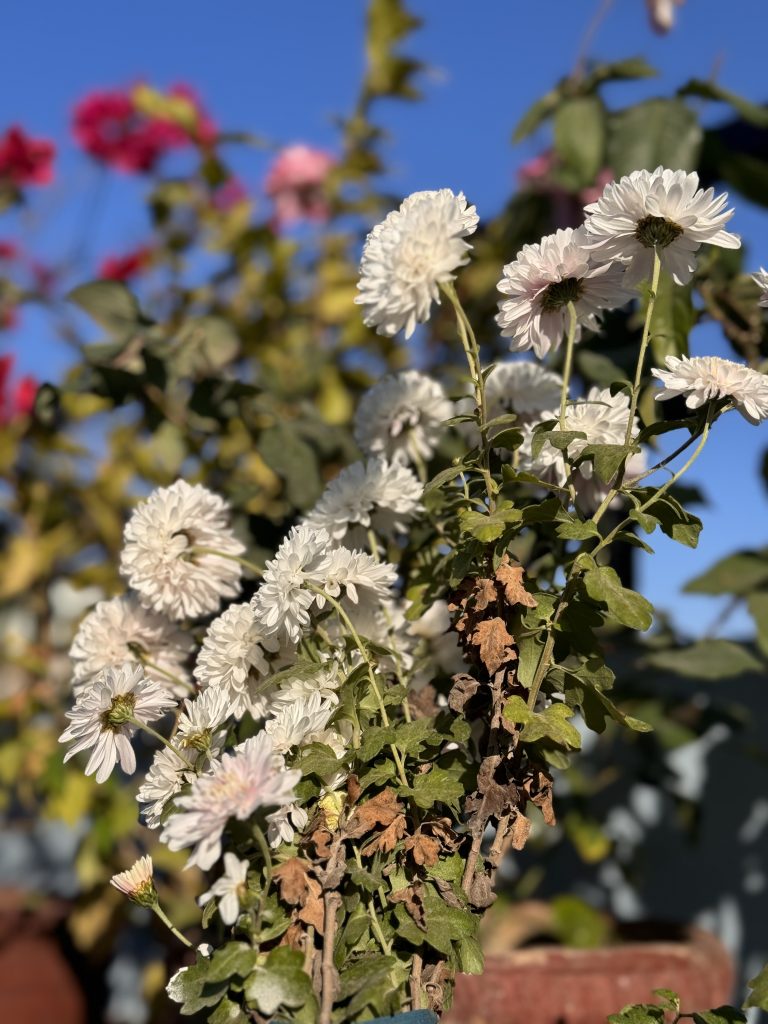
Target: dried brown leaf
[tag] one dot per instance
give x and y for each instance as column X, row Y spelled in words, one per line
column 520, row 831
column 511, row 578
column 385, row 842
column 292, row 878
column 381, row 809
column 463, row 690
column 484, row 593
column 481, row 892
column 425, row 850
column 493, row 640
column 313, row 913
column 412, row 900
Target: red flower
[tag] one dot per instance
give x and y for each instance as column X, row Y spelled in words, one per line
column 123, row 268
column 296, row 182
column 8, row 250
column 17, row 400
column 25, row 161
column 111, row 127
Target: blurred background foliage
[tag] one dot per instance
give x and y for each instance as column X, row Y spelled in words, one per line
column 230, row 351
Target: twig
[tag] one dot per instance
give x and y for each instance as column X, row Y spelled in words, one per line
column 331, row 901
column 416, row 982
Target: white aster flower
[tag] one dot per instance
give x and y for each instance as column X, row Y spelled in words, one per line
column 402, row 417
column 137, row 883
column 662, row 13
column 541, row 282
column 166, row 775
column 409, row 255
column 167, row 555
column 199, row 725
column 251, row 777
column 121, row 630
column 232, row 658
column 284, row 823
column 343, row 571
column 761, row 280
column 369, row 495
column 662, row 209
column 102, row 718
column 601, row 416
column 300, row 722
column 526, row 389
column 324, row 680
column 282, row 602
column 704, row 378
column 229, row 890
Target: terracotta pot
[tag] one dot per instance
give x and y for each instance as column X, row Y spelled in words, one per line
column 37, row 983
column 550, row 984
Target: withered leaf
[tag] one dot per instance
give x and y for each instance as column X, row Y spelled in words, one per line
column 312, row 913
column 445, row 889
column 381, row 809
column 412, row 900
column 539, row 790
column 425, row 850
column 481, row 892
column 511, row 578
column 293, row 937
column 484, row 594
column 521, row 829
column 493, row 639
column 463, row 690
column 386, row 841
column 353, row 789
column 292, row 878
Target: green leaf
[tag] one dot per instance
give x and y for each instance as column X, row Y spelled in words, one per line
column 608, row 458
column 596, row 706
column 720, row 1015
column 559, row 439
column 537, row 114
column 752, row 112
column 190, row 987
column 598, row 368
column 759, row 994
column 757, row 604
column 551, row 723
column 470, row 956
column 670, row 1000
column 228, row 1012
column 624, row 605
column 444, row 477
column 204, row 346
column 433, row 787
column 656, row 132
column 579, row 135
column 675, row 521
column 707, row 659
column 236, row 958
column 577, row 530
column 736, row 574
column 444, row 924
column 490, row 527
column 641, row 1013
column 578, row 925
column 280, row 982
column 318, row 759
column 293, row 460
column 110, row 304
column 619, row 71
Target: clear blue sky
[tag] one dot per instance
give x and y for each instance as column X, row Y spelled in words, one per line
column 284, row 70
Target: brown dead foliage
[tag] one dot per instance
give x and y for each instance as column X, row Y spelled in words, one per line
column 538, row 788
column 412, row 899
column 299, row 888
column 380, row 810
column 463, row 690
column 511, row 579
column 494, row 642
column 425, row 850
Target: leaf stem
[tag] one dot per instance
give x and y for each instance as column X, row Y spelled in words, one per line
column 255, row 569
column 643, row 345
column 159, row 736
column 170, row 926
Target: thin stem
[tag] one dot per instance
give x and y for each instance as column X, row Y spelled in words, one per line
column 472, row 353
column 643, row 344
column 568, row 366
column 256, row 569
column 164, row 672
column 399, row 763
column 159, row 736
column 375, row 926
column 263, row 846
column 170, row 926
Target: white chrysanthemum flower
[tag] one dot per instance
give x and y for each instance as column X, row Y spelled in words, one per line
column 137, row 883
column 704, row 378
column 601, row 416
column 121, row 630
column 541, row 282
column 229, row 890
column 102, row 718
column 232, row 659
column 343, row 571
column 300, row 722
column 285, row 823
column 180, row 554
column 166, row 775
column 200, row 722
column 660, row 208
column 324, row 680
column 251, row 777
column 409, row 255
column 282, row 602
column 402, row 417
column 369, row 495
column 761, row 280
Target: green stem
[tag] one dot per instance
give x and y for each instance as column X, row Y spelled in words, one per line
column 643, row 344
column 159, row 736
column 170, row 926
column 257, row 570
column 386, row 946
column 399, row 763
column 168, row 675
column 472, row 353
column 568, row 367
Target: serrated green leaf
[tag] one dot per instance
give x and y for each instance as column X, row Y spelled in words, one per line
column 577, row 530
column 551, row 723
column 624, row 605
column 111, row 305
column 707, row 659
column 759, row 990
column 435, row 786
column 720, row 1015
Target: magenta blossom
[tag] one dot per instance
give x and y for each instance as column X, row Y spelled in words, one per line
column 296, row 183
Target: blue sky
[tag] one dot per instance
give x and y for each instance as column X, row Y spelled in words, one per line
column 284, row 70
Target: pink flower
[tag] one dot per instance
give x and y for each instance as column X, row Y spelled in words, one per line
column 229, row 194
column 24, row 160
column 539, row 175
column 295, row 182
column 123, row 268
column 110, row 127
column 8, row 250
column 16, row 400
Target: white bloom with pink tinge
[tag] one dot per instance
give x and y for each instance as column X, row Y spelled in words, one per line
column 295, row 182
column 704, row 378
